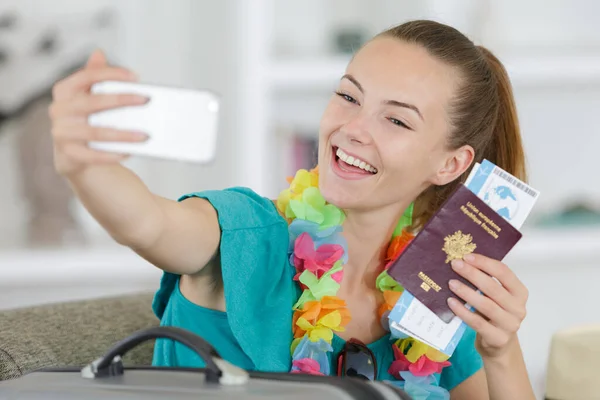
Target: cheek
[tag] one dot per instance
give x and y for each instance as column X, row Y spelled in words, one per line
column 398, row 150
column 334, row 117
column 406, row 158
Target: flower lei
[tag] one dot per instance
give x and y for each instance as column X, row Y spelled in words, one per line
column 318, row 252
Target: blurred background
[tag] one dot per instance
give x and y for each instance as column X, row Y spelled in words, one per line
column 275, row 64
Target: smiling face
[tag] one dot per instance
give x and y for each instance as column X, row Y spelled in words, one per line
column 389, row 119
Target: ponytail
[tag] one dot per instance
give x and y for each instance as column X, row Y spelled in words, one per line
column 506, row 148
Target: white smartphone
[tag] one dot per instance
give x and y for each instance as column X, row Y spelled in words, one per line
column 182, row 124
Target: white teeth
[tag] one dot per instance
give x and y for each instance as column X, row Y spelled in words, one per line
column 354, row 161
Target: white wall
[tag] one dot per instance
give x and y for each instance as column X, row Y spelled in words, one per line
column 49, row 276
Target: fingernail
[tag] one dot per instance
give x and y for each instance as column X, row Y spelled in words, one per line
column 457, row 264
column 142, row 99
column 452, row 301
column 140, row 135
column 469, row 258
column 453, row 284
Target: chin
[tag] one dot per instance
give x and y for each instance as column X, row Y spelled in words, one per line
column 342, row 194
column 337, row 196
column 342, row 185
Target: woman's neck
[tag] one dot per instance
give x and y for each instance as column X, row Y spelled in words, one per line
column 368, row 235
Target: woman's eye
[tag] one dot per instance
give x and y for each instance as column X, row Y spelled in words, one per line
column 347, row 98
column 398, row 122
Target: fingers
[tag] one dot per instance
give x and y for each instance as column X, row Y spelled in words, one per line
column 71, row 106
column 96, row 70
column 84, row 155
column 97, row 60
column 494, row 336
column 501, row 272
column 85, row 133
column 89, row 104
column 488, row 308
column 71, row 152
column 500, row 299
column 486, row 285
column 499, row 312
column 82, row 80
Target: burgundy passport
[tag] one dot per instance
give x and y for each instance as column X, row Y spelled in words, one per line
column 463, row 224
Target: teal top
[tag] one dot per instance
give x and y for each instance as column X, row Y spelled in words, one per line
column 256, row 331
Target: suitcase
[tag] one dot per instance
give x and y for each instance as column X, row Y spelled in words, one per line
column 107, row 378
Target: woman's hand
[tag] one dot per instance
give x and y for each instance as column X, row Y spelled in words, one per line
column 501, row 305
column 72, row 104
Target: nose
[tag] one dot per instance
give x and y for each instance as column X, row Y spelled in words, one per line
column 358, row 130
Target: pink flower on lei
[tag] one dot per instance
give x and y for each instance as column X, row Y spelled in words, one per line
column 423, row 367
column 306, row 366
column 318, row 261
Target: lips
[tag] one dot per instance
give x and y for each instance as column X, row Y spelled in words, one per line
column 353, row 160
column 351, row 167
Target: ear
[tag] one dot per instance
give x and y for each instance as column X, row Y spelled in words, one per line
column 457, row 162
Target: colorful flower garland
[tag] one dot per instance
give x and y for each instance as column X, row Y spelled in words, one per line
column 318, row 252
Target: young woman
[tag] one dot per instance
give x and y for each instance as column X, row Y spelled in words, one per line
column 299, row 283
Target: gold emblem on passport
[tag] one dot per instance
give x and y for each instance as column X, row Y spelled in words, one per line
column 458, row 245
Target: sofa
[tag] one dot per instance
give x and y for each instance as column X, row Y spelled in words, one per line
column 72, row 333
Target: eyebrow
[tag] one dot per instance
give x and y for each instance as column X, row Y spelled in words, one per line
column 390, row 102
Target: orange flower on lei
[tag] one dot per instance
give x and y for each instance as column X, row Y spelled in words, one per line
column 397, row 245
column 320, row 318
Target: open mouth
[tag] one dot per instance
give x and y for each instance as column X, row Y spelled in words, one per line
column 348, row 163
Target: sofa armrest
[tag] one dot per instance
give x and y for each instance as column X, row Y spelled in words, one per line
column 72, row 333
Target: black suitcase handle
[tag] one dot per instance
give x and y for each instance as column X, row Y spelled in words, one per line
column 111, row 363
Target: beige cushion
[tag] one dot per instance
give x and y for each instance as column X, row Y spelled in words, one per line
column 72, row 333
column 574, row 364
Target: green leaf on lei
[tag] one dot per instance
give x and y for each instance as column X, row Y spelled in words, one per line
column 305, row 297
column 289, row 212
column 317, row 288
column 405, row 220
column 386, row 282
column 313, row 208
column 313, row 197
column 309, row 208
column 332, row 216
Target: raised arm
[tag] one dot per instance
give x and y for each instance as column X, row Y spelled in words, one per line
column 179, row 237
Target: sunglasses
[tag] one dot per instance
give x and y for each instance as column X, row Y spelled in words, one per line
column 357, row 360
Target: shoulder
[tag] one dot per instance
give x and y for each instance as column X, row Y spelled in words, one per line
column 240, row 208
column 465, row 362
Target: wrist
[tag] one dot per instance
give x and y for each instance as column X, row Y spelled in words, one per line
column 505, row 357
column 506, row 373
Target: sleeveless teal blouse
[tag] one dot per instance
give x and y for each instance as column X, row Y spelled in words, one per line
column 256, row 331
